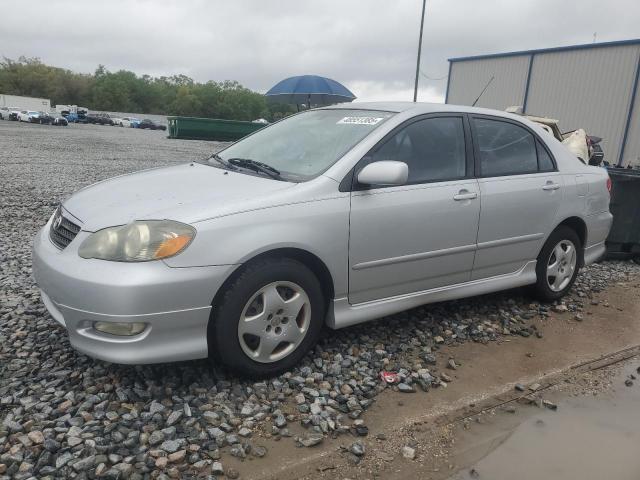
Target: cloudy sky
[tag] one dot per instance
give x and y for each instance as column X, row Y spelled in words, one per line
column 369, row 45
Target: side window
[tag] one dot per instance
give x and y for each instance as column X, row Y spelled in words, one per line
column 545, row 163
column 433, row 148
column 505, row 148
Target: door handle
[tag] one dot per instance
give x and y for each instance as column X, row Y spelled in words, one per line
column 465, row 195
column 551, row 186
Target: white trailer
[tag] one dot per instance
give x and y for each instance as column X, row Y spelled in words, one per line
column 25, row 103
column 72, row 109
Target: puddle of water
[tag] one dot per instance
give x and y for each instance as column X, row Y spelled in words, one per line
column 588, row 438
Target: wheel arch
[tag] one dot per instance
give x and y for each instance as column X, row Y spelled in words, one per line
column 310, row 260
column 579, row 226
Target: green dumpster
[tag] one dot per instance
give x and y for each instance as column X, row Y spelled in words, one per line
column 193, row 128
column 624, row 238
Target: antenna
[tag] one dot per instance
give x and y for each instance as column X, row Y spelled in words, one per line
column 485, row 87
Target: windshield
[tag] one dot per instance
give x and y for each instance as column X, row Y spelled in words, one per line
column 305, row 145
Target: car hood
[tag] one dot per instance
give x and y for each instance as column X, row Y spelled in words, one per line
column 186, row 193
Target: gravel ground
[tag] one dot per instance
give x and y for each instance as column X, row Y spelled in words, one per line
column 64, row 415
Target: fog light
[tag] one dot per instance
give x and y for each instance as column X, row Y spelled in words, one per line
column 120, row 328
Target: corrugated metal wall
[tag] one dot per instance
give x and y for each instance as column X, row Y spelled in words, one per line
column 468, row 78
column 632, row 148
column 588, row 89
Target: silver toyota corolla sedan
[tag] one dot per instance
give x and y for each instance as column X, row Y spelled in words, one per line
column 334, row 216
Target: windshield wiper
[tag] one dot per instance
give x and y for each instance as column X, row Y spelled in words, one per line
column 255, row 166
column 221, row 160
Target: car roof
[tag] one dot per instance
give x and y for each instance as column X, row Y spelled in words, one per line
column 418, row 108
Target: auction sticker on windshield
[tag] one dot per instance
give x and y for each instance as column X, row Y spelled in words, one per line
column 360, row 120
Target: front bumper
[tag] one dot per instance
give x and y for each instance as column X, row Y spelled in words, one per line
column 174, row 303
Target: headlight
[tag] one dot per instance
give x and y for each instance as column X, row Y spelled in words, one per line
column 138, row 241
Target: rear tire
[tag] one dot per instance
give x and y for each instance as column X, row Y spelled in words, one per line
column 280, row 341
column 558, row 264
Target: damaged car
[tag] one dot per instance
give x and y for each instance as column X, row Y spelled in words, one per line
column 586, row 147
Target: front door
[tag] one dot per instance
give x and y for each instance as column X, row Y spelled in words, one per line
column 421, row 235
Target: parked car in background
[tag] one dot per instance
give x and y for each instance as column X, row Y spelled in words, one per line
column 93, row 118
column 4, row 113
column 59, row 119
column 116, row 121
column 151, row 125
column 29, row 116
column 107, row 119
column 577, row 141
column 386, row 219
column 45, row 118
column 13, row 113
column 129, row 122
column 100, row 119
column 76, row 117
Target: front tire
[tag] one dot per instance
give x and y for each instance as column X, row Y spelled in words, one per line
column 267, row 319
column 558, row 264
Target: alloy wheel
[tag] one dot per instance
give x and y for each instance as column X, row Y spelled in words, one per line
column 561, row 265
column 274, row 321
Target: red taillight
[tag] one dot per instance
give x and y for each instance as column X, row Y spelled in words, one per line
column 609, row 184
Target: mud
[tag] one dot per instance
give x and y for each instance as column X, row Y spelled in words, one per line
column 590, row 437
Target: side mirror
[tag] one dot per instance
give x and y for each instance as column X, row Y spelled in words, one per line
column 384, row 172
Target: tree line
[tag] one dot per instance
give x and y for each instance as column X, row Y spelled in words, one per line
column 125, row 91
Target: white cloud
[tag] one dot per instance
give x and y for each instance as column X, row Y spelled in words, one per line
column 368, row 91
column 369, row 45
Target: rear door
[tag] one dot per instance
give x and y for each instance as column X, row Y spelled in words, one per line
column 521, row 190
column 420, row 235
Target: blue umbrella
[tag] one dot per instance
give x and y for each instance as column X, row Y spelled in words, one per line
column 309, row 89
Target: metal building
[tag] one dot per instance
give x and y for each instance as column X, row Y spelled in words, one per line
column 591, row 86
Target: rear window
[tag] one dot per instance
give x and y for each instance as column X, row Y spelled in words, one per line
column 545, row 162
column 505, row 148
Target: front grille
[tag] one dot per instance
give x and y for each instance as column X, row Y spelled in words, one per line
column 63, row 230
